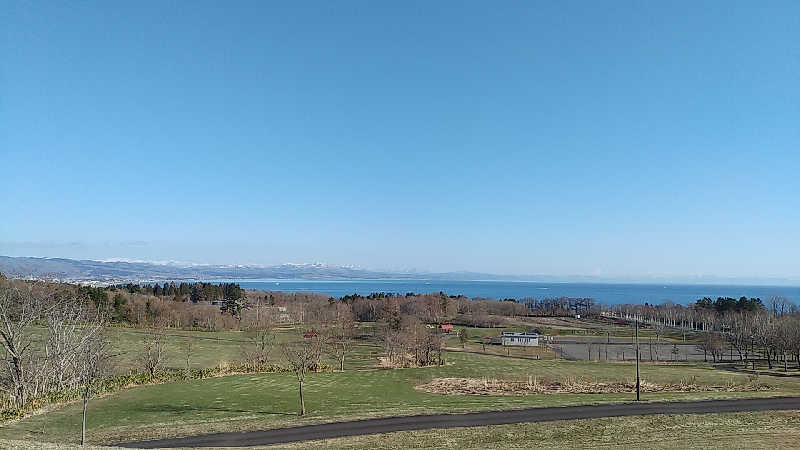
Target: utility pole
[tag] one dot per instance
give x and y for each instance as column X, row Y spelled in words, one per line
column 638, row 384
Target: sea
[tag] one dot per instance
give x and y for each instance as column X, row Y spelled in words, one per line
column 609, row 293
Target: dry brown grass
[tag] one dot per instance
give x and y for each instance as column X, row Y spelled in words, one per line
column 570, row 385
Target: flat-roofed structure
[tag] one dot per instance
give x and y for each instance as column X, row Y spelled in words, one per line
column 520, row 339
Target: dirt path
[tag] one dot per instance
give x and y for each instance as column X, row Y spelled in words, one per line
column 390, row 424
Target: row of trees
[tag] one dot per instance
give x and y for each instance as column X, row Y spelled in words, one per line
column 197, row 291
column 560, row 307
column 436, row 306
column 242, row 312
column 749, row 327
column 52, row 341
column 143, row 305
column 725, row 304
column 775, row 337
column 184, row 291
column 439, row 308
column 703, row 315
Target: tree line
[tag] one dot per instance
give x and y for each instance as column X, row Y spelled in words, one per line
column 752, row 328
column 237, row 308
column 71, row 353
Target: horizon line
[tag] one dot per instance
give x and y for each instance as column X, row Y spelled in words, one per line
column 707, row 279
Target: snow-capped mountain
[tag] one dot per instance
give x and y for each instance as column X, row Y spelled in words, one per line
column 119, row 269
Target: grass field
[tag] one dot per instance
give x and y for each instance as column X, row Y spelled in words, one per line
column 257, row 401
column 211, row 348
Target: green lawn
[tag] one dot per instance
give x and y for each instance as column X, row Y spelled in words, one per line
column 211, row 348
column 249, row 402
column 208, row 348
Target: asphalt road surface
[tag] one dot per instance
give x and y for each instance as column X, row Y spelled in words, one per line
column 390, row 424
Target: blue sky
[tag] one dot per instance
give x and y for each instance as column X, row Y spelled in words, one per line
column 596, row 138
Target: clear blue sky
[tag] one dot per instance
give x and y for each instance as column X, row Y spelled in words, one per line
column 598, row 138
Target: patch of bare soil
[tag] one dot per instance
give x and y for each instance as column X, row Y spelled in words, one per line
column 486, row 386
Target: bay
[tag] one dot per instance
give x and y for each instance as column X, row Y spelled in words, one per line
column 610, row 293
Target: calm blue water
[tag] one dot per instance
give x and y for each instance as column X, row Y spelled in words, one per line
column 606, row 293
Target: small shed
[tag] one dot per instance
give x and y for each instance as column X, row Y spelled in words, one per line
column 446, row 327
column 310, row 334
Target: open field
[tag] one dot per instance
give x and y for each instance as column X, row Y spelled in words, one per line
column 209, row 348
column 259, row 401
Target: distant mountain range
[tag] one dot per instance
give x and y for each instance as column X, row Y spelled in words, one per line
column 116, row 271
column 63, row 269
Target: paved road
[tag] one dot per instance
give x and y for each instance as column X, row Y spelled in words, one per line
column 390, row 424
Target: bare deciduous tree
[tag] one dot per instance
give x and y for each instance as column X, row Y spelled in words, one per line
column 764, row 332
column 740, row 333
column 260, row 342
column 20, row 307
column 71, row 324
column 340, row 333
column 188, row 350
column 153, row 352
column 463, row 336
column 303, row 356
column 711, row 343
column 72, row 353
column 91, row 364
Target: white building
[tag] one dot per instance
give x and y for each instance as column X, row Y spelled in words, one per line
column 520, row 339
